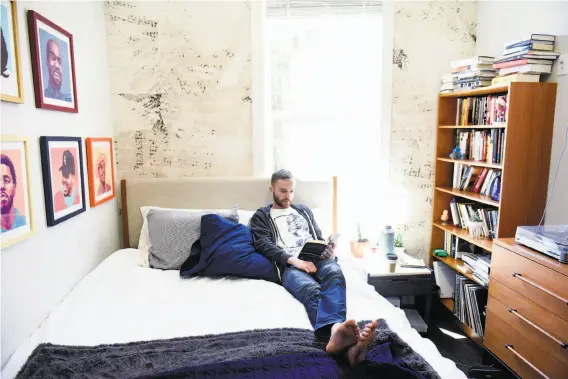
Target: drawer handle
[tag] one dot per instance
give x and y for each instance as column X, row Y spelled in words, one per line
column 519, row 276
column 514, row 311
column 510, row 347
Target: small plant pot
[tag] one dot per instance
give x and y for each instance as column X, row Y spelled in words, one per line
column 475, row 229
column 399, row 251
column 358, row 248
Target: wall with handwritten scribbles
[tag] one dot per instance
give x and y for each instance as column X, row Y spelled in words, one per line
column 180, row 76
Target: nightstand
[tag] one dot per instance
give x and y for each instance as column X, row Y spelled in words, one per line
column 402, row 282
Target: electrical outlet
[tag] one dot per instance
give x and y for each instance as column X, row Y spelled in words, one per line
column 562, row 65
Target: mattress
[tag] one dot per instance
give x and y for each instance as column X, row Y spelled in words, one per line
column 120, row 301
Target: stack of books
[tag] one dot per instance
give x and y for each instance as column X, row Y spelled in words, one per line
column 472, row 72
column 480, row 265
column 526, row 60
column 447, row 83
column 470, row 299
column 482, row 110
column 464, row 211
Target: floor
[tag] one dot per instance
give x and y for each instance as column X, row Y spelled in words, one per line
column 451, row 343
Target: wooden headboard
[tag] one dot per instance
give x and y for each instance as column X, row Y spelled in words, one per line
column 216, row 193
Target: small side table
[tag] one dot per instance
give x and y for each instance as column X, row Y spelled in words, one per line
column 402, row 282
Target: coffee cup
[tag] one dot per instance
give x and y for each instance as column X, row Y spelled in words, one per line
column 391, row 259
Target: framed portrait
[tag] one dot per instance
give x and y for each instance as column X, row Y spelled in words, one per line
column 53, row 65
column 11, row 72
column 100, row 167
column 15, row 195
column 63, row 186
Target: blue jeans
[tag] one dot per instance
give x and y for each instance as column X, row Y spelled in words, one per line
column 322, row 293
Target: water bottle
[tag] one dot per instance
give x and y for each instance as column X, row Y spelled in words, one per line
column 388, row 239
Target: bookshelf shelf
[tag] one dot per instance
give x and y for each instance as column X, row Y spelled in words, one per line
column 454, row 263
column 486, row 244
column 500, row 125
column 478, row 91
column 472, row 163
column 469, row 195
column 524, row 181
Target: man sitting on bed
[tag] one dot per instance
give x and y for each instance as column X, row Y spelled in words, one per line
column 279, row 231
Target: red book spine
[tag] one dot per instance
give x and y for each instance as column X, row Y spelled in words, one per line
column 480, row 180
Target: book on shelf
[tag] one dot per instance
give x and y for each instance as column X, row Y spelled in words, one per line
column 481, row 110
column 526, row 69
column 469, row 73
column 470, row 299
column 519, row 77
column 480, row 264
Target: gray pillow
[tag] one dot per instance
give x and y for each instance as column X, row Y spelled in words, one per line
column 173, row 232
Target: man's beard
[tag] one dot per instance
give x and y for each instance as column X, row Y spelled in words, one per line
column 277, row 201
column 7, row 205
column 54, row 82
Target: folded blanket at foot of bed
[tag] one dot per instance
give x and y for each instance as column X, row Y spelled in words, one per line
column 275, row 352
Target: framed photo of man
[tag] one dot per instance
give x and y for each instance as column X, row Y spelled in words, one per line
column 53, row 65
column 15, row 194
column 63, row 185
column 100, row 167
column 10, row 67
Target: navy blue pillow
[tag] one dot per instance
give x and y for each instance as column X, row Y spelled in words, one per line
column 225, row 248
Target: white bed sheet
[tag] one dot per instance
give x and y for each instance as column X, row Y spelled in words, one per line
column 120, row 301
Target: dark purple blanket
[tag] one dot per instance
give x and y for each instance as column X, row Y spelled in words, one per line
column 282, row 350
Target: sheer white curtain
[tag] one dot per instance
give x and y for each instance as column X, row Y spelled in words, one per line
column 325, row 77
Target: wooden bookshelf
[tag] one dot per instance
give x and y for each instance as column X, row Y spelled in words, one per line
column 470, row 162
column 524, row 168
column 484, row 243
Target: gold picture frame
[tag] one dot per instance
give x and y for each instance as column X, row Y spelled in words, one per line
column 10, row 43
column 22, row 231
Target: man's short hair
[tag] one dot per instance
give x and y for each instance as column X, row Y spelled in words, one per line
column 4, row 159
column 281, row 174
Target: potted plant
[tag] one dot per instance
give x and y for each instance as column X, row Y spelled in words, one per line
column 359, row 246
column 398, row 244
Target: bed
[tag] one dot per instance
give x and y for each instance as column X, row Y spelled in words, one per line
column 123, row 301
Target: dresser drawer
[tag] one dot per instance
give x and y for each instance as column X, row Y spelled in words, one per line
column 546, row 287
column 524, row 357
column 545, row 329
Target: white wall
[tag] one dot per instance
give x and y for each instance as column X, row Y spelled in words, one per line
column 520, row 20
column 38, row 272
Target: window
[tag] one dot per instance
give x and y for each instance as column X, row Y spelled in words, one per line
column 325, row 65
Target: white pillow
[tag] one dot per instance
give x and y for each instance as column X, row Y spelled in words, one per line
column 245, row 216
column 144, row 241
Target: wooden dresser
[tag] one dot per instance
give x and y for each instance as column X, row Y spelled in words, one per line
column 527, row 311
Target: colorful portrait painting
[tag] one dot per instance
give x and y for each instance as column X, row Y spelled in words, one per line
column 100, row 163
column 51, row 50
column 62, row 165
column 15, row 197
column 10, row 71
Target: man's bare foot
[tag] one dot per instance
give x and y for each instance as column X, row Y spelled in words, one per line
column 343, row 336
column 356, row 353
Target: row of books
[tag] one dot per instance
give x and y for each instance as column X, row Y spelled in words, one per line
column 455, row 246
column 480, row 265
column 465, row 212
column 527, row 59
column 481, row 145
column 474, row 179
column 482, row 110
column 470, row 301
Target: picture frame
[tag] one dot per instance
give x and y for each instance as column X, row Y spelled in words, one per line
column 63, row 182
column 53, row 65
column 17, row 214
column 11, row 67
column 100, row 164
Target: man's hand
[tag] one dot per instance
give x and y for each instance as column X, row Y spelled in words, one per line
column 306, row 266
column 329, row 252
